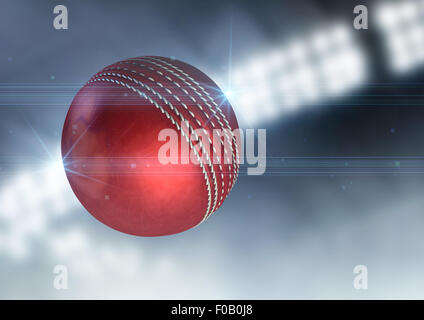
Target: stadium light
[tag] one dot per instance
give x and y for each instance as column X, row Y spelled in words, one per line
column 29, row 201
column 326, row 63
column 403, row 26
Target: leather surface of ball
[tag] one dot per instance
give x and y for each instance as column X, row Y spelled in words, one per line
column 110, row 146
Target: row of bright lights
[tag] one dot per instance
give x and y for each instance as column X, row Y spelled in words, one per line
column 29, row 201
column 326, row 64
column 403, row 25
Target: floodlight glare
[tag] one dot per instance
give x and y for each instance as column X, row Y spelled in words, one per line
column 403, row 26
column 327, row 63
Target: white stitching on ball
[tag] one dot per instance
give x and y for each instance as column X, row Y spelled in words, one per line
column 198, row 85
column 231, row 181
column 175, row 123
column 210, row 107
column 216, row 203
column 144, row 85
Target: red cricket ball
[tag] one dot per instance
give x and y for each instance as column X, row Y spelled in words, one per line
column 111, row 146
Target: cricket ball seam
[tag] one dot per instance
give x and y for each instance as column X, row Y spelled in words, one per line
column 215, row 104
column 231, row 180
column 178, row 113
column 210, row 119
column 185, row 106
column 210, row 107
column 174, row 122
